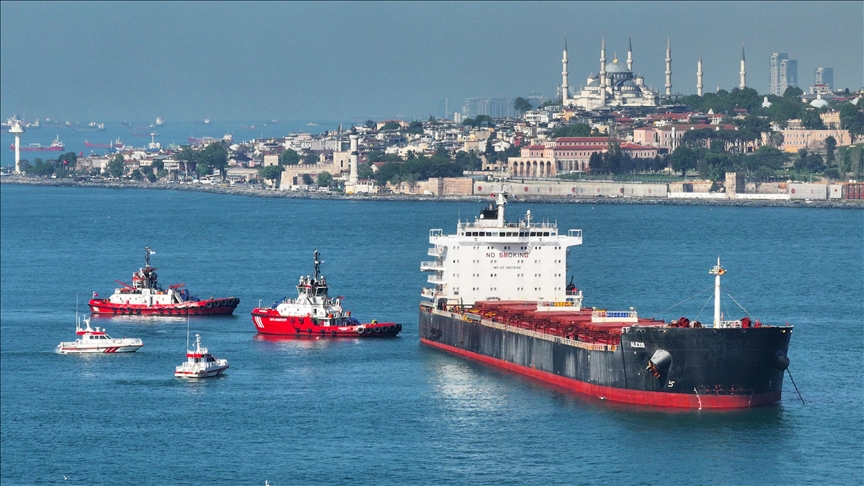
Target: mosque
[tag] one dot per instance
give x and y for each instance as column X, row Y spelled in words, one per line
column 616, row 86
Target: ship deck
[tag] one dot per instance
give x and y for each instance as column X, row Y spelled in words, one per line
column 582, row 324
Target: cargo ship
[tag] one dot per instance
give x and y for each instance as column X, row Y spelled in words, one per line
column 56, row 146
column 145, row 296
column 500, row 296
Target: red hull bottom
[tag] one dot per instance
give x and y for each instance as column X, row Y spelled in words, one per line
column 213, row 307
column 271, row 323
column 636, row 397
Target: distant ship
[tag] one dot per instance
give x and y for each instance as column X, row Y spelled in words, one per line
column 56, row 146
column 116, row 144
column 90, row 127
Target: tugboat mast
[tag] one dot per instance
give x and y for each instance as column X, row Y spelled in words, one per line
column 317, row 264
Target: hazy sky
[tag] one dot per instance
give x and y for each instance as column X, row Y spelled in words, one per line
column 353, row 60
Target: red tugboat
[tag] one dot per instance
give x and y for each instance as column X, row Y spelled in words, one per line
column 146, row 297
column 314, row 314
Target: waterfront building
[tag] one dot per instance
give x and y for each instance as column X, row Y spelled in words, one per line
column 568, row 154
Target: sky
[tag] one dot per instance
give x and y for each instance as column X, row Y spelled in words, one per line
column 324, row 61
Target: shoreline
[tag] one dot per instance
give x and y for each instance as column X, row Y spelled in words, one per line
column 269, row 193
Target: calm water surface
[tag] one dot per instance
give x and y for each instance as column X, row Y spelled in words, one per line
column 392, row 411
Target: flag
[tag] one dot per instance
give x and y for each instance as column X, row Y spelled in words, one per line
column 95, row 295
column 152, row 252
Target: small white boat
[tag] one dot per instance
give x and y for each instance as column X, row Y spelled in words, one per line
column 97, row 341
column 200, row 363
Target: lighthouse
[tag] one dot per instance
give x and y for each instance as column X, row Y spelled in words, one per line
column 17, row 128
column 352, row 178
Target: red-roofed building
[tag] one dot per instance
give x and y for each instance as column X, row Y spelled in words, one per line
column 568, row 154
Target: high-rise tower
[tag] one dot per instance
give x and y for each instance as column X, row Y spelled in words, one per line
column 743, row 72
column 699, row 76
column 669, row 66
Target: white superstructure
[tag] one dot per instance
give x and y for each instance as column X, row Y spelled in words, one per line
column 491, row 259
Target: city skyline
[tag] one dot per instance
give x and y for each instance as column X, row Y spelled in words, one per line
column 325, row 61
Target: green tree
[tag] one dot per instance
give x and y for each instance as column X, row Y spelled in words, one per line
column 202, row 168
column 852, row 119
column 575, row 130
column 289, row 157
column 522, row 105
column 307, row 179
column 370, row 124
column 271, row 173
column 830, row 146
column 69, row 160
column 216, row 157
column 116, row 167
column 811, row 120
column 768, row 157
column 325, row 179
column 793, row 92
column 415, row 127
column 683, row 159
column 391, row 125
column 137, row 175
column 310, row 158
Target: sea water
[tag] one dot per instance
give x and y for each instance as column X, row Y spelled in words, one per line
column 391, row 411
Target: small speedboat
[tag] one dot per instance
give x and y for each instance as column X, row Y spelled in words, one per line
column 97, row 341
column 200, row 363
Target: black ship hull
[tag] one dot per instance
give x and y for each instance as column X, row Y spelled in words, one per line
column 656, row 366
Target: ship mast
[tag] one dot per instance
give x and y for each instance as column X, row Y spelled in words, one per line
column 717, row 271
column 146, row 256
column 317, row 264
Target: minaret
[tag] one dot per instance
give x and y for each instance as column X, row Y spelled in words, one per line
column 352, row 179
column 564, row 84
column 669, row 66
column 17, row 128
column 743, row 72
column 629, row 54
column 603, row 71
column 699, row 76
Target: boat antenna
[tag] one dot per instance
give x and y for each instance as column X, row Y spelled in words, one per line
column 146, row 256
column 187, row 330
column 317, row 263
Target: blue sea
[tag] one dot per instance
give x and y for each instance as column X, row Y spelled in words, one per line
column 137, row 134
column 391, row 411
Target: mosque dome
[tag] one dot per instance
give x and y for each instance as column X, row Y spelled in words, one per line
column 615, row 67
column 819, row 102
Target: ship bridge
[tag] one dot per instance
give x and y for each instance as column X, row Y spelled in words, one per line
column 492, row 259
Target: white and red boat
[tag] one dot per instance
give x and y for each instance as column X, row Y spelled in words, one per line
column 97, row 341
column 146, row 297
column 200, row 363
column 314, row 314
